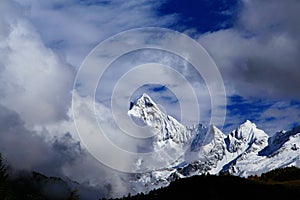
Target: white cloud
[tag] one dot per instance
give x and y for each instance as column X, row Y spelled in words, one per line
column 41, row 40
column 72, row 29
column 34, row 82
column 259, row 59
column 41, row 45
column 259, row 55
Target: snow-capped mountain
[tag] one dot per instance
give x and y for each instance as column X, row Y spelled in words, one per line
column 245, row 151
column 170, row 130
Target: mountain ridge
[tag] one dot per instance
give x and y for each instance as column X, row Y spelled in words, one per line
column 245, row 151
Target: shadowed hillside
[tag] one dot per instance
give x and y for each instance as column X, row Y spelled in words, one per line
column 33, row 186
column 280, row 183
column 276, row 184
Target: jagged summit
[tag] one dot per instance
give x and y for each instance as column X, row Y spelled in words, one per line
column 143, row 100
column 145, row 108
column 248, row 123
column 245, row 151
column 169, row 129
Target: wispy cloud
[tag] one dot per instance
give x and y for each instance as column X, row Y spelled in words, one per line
column 269, row 115
column 73, row 28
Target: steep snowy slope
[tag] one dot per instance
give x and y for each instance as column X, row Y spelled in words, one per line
column 169, row 129
column 281, row 150
column 245, row 151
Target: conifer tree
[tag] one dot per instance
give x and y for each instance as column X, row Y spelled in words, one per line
column 3, row 180
column 74, row 195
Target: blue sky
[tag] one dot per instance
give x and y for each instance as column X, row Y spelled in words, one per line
column 209, row 18
column 203, row 16
column 254, row 44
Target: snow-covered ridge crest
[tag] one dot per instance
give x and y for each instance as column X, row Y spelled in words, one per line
column 245, row 151
column 169, row 129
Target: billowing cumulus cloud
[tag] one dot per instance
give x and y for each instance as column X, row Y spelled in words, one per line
column 259, row 58
column 34, row 82
column 42, row 45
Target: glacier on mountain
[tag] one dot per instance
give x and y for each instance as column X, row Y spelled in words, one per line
column 200, row 149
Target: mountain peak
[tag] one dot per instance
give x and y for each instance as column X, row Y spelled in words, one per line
column 168, row 127
column 145, row 95
column 248, row 123
column 198, row 149
column 248, row 130
column 143, row 101
column 145, row 109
